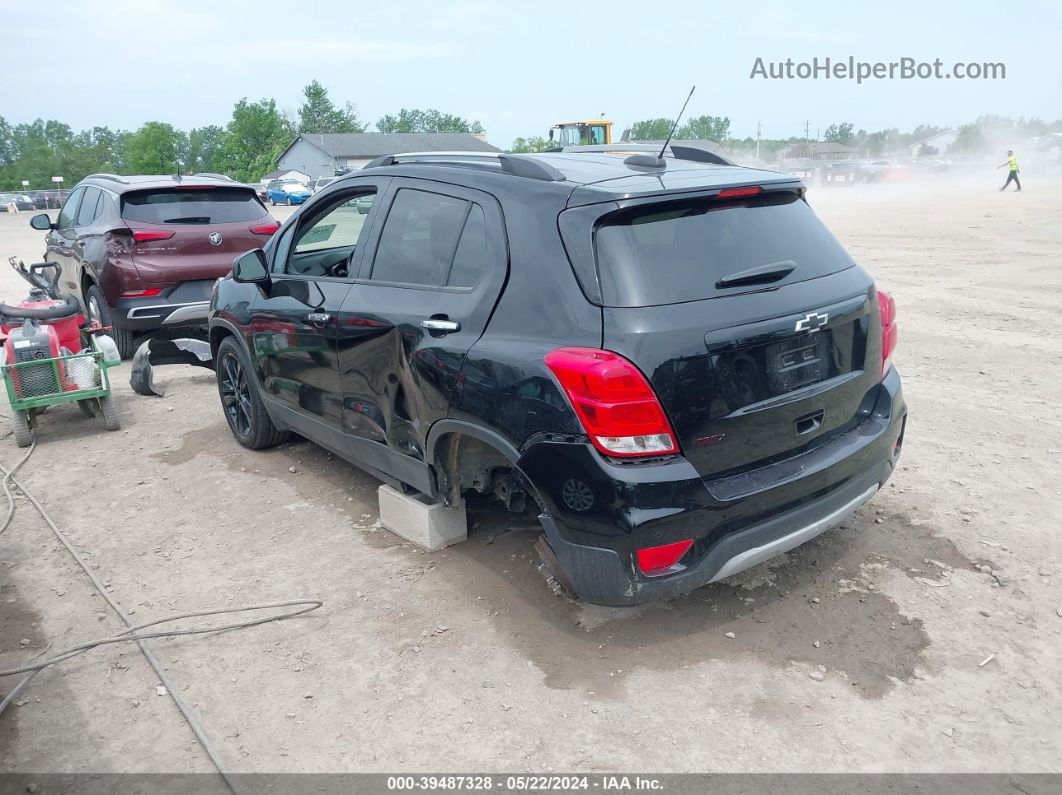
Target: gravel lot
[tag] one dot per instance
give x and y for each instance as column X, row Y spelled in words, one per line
column 858, row 652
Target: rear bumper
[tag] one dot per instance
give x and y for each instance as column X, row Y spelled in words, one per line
column 736, row 523
column 183, row 306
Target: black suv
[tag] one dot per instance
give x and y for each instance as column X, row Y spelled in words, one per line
column 673, row 362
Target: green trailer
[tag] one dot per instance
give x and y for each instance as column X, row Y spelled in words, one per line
column 81, row 378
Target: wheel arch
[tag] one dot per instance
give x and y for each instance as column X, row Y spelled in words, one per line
column 484, row 451
column 219, row 330
column 85, row 281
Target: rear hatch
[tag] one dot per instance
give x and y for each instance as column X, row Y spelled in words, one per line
column 748, row 317
column 197, row 230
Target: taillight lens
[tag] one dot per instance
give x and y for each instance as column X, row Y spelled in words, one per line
column 657, row 560
column 143, row 293
column 265, row 229
column 739, row 193
column 889, row 330
column 143, row 235
column 617, row 407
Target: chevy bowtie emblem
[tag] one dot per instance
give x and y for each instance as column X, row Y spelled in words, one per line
column 812, row 321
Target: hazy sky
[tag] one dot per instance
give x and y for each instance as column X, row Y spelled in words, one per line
column 519, row 67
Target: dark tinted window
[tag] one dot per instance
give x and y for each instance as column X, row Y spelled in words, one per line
column 673, row 252
column 419, row 239
column 89, row 202
column 192, row 206
column 69, row 212
column 470, row 261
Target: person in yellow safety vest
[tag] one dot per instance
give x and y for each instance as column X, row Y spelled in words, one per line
column 1012, row 161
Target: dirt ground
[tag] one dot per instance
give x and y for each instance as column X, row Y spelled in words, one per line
column 860, row 651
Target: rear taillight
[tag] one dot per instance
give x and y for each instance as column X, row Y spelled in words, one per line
column 889, row 330
column 265, row 229
column 142, row 293
column 143, row 235
column 657, row 560
column 614, row 402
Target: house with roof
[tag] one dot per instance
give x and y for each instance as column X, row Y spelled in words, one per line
column 326, row 154
column 285, row 173
column 935, row 144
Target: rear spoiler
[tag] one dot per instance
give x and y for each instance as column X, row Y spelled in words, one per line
column 677, row 151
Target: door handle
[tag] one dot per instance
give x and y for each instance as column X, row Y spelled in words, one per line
column 439, row 324
column 319, row 318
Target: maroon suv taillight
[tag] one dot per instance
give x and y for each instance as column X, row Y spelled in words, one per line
column 615, row 404
column 265, row 229
column 144, row 235
column 889, row 330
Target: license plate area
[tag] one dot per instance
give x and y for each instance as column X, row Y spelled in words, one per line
column 798, row 361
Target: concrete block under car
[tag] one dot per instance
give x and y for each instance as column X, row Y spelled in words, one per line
column 430, row 525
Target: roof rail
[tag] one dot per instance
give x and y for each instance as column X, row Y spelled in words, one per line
column 111, row 177
column 517, row 165
column 211, row 174
column 678, row 151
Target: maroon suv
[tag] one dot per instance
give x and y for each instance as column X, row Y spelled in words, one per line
column 142, row 253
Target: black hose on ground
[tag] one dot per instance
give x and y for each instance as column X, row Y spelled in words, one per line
column 131, row 631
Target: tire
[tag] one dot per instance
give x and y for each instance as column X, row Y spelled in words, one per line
column 289, row 201
column 111, row 420
column 272, row 201
column 86, row 407
column 100, row 311
column 241, row 399
column 21, row 425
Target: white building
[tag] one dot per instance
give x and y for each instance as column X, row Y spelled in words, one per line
column 323, row 154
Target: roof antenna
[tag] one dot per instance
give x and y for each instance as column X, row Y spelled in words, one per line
column 648, row 161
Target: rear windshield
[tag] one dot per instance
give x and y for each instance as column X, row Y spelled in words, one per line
column 673, row 252
column 192, row 206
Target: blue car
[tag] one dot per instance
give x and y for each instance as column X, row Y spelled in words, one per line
column 288, row 193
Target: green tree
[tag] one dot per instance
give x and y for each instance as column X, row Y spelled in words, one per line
column 651, row 129
column 318, row 115
column 535, row 143
column 203, row 146
column 154, row 149
column 253, row 140
column 7, row 143
column 970, row 139
column 414, row 120
column 713, row 128
column 839, row 133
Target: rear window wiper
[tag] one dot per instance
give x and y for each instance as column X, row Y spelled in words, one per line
column 188, row 219
column 761, row 274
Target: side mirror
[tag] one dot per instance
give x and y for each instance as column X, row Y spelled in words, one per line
column 42, row 222
column 250, row 267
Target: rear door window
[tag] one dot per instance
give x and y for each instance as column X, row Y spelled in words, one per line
column 668, row 253
column 221, row 205
column 419, row 239
column 89, row 202
column 471, row 258
column 68, row 215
